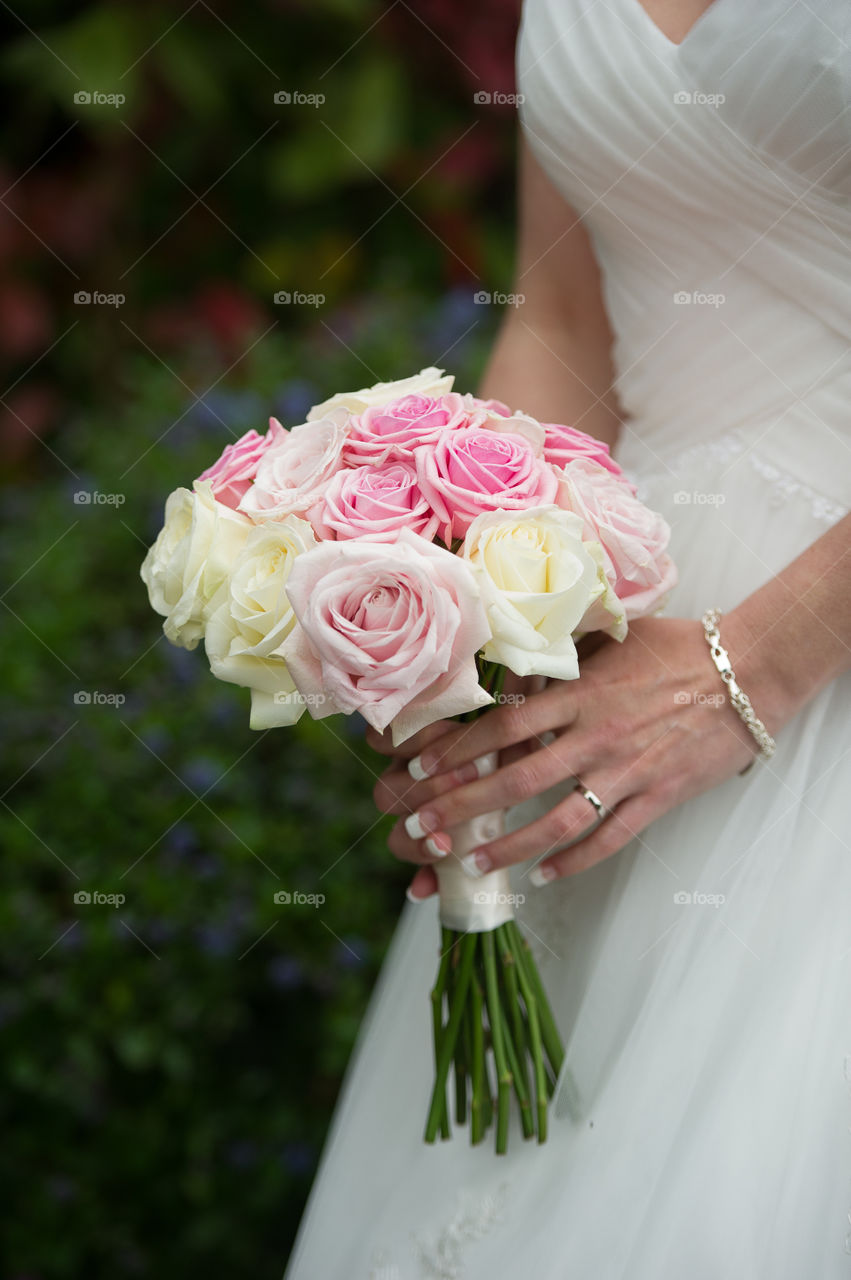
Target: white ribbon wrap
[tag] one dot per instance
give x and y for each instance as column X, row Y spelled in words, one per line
column 467, row 904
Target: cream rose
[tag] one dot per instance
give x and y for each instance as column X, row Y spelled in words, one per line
column 253, row 617
column 428, row 382
column 191, row 559
column 538, row 580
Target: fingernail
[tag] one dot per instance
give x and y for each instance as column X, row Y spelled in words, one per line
column 435, row 849
column 542, row 874
column 486, row 765
column 420, row 824
column 467, row 772
column 411, row 897
column 476, row 864
column 417, row 770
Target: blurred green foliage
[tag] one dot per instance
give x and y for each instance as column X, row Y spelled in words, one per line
column 198, row 160
column 171, row 1062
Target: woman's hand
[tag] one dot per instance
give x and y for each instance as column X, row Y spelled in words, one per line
column 646, row 727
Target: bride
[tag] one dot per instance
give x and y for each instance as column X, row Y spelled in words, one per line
column 685, row 256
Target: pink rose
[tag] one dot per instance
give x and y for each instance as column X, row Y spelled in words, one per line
column 373, row 502
column 632, row 536
column 233, row 472
column 394, row 430
column 563, row 444
column 295, row 472
column 387, row 629
column 469, row 472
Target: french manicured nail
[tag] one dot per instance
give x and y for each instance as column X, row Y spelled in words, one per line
column 411, row 897
column 435, row 849
column 417, row 770
column 420, row 824
column 542, row 874
column 476, row 864
column 467, row 772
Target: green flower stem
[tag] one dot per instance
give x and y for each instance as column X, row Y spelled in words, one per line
column 437, row 1110
column 437, row 994
column 536, row 1044
column 504, row 1077
column 516, row 1043
column 461, row 1060
column 549, row 1030
column 477, row 1106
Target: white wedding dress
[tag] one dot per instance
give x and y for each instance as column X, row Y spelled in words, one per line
column 702, row 1125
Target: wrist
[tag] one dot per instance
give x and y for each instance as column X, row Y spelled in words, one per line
column 764, row 669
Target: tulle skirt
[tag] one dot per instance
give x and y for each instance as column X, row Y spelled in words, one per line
column 700, row 979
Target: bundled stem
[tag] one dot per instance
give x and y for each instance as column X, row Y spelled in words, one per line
column 492, row 974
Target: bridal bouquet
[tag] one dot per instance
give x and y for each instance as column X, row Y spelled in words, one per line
column 395, row 555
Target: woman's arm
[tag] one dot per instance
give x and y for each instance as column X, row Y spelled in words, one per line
column 551, row 357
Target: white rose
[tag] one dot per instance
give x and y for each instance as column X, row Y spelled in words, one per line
column 191, row 559
column 520, row 424
column 253, row 618
column 428, row 382
column 294, row 474
column 538, row 580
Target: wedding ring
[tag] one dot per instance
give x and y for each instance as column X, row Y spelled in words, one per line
column 589, row 795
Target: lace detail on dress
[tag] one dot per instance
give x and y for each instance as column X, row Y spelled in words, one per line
column 783, row 486
column 442, row 1257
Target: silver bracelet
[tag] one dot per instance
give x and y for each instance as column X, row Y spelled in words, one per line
column 739, row 699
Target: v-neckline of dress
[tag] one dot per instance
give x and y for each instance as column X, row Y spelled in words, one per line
column 693, row 30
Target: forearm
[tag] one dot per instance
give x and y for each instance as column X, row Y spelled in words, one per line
column 555, row 374
column 793, row 636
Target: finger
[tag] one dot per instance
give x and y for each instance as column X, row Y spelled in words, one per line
column 612, row 835
column 572, row 819
column 423, row 885
column 426, row 852
column 383, row 742
column 397, row 792
column 520, row 781
column 506, row 726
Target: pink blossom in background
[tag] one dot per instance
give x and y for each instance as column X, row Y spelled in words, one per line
column 232, row 473
column 394, row 430
column 468, row 472
column 387, row 629
column 634, row 538
column 373, row 502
